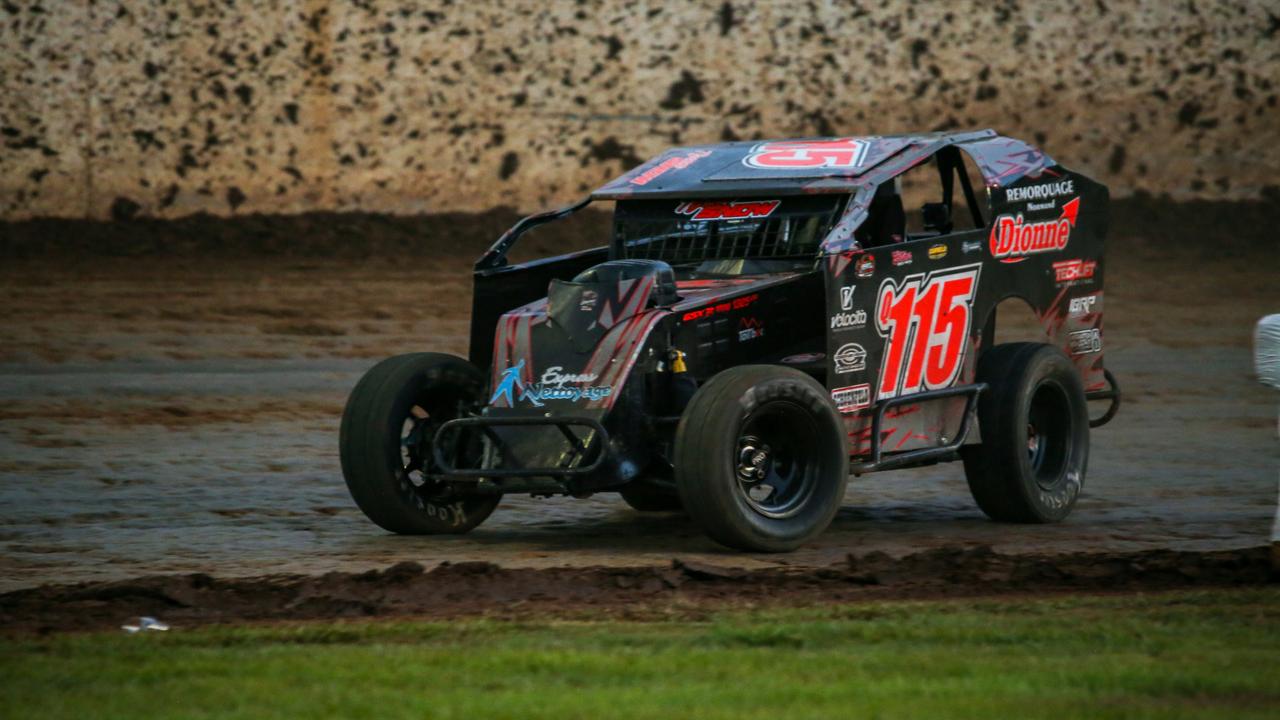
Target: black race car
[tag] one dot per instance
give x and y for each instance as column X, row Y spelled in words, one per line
column 767, row 319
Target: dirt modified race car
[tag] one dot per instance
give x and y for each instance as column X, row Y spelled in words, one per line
column 767, row 319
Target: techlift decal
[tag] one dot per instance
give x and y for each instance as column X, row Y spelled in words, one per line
column 925, row 321
column 805, row 154
column 1013, row 240
column 554, row 385
column 738, row 210
column 1070, row 271
column 678, row 162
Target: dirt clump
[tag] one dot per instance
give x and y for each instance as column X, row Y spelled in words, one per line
column 461, row 589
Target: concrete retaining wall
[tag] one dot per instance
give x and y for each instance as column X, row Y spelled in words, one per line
column 152, row 108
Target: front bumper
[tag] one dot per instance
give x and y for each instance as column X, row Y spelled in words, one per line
column 514, row 457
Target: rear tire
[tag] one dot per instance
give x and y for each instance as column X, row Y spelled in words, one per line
column 387, row 427
column 1030, row 467
column 760, row 458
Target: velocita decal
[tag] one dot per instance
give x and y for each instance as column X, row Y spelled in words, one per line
column 1014, row 240
column 702, row 211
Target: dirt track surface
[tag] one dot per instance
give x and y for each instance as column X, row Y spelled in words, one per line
column 180, row 416
column 683, row 588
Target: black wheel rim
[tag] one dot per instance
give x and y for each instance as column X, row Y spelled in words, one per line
column 417, row 466
column 1049, row 434
column 775, row 465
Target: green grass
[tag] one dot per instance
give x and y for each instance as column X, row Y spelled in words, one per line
column 1201, row 654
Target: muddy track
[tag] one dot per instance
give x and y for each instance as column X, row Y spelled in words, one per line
column 684, row 587
column 171, row 406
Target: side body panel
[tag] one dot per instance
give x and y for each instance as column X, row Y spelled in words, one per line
column 911, row 317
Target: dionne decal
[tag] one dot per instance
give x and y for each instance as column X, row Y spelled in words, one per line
column 1013, row 240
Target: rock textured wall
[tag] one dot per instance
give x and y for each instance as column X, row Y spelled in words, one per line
column 155, row 108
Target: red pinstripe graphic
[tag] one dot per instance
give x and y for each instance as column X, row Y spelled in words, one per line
column 627, row 351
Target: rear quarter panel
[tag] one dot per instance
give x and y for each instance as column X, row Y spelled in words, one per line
column 914, row 316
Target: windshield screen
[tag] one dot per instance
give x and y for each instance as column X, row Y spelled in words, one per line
column 707, row 232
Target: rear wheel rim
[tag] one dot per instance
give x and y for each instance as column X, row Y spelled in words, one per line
column 775, row 465
column 1049, row 435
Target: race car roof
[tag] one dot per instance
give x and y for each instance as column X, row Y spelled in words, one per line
column 814, row 165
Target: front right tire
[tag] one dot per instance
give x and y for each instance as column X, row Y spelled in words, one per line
column 760, row 458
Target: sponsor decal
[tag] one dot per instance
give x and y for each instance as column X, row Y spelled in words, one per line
column 711, row 210
column 850, row 320
column 803, row 358
column 1066, row 271
column 846, row 297
column 1084, row 342
column 720, row 308
column 969, row 246
column 678, row 162
column 804, row 154
column 587, row 302
column 750, row 328
column 901, row 257
column 865, row 267
column 1082, row 305
column 553, row 385
column 851, row 357
column 852, row 398
column 1013, row 240
column 1043, row 191
column 925, row 321
column 1033, row 207
column 937, row 252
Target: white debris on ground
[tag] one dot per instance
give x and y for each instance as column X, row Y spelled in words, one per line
column 145, row 624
